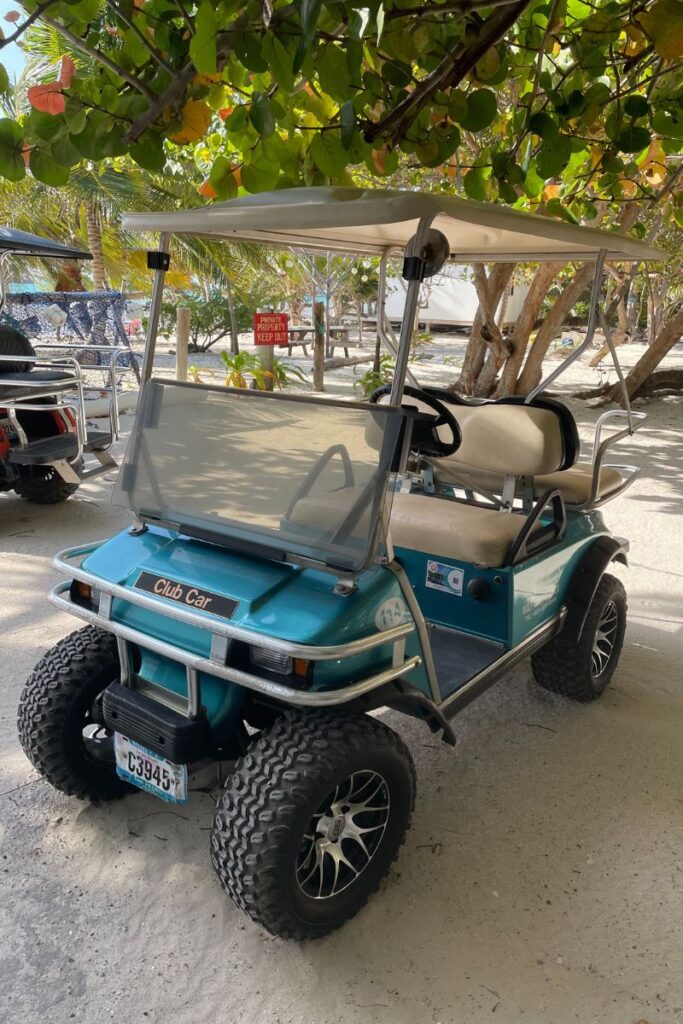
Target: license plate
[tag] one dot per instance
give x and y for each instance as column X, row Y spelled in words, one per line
column 150, row 772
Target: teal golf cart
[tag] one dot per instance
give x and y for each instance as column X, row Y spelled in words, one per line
column 296, row 563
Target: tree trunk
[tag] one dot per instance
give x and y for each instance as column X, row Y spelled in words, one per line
column 94, row 229
column 319, row 346
column 619, row 335
column 543, row 278
column 481, row 335
column 665, row 340
column 532, row 372
column 636, row 378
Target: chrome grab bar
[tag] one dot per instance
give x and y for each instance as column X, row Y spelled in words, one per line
column 598, row 454
column 195, row 663
column 219, row 627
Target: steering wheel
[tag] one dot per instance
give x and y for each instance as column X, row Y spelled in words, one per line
column 425, row 437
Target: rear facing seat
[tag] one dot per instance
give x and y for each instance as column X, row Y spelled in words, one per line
column 20, row 372
column 574, row 484
column 509, row 437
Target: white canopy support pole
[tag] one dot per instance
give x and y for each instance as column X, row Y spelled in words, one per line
column 590, row 330
column 155, row 306
column 409, row 311
column 384, row 328
column 617, row 366
column 3, row 284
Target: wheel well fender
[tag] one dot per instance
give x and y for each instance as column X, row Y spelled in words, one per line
column 402, row 696
column 586, row 580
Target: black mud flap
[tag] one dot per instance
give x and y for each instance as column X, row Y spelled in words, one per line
column 586, row 580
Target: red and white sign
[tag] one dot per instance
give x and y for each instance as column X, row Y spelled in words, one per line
column 271, row 329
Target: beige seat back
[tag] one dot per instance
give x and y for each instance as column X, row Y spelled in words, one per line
column 516, row 440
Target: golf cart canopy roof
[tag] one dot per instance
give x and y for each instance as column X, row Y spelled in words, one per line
column 370, row 221
column 15, row 241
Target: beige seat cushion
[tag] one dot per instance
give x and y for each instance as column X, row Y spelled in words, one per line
column 437, row 526
column 451, row 529
column 574, row 484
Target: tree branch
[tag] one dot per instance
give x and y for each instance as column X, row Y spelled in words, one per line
column 129, row 23
column 449, row 72
column 38, row 13
column 464, row 7
column 101, row 58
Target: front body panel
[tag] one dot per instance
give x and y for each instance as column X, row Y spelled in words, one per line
column 271, row 599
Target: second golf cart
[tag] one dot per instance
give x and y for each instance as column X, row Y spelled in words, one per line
column 297, row 562
column 47, row 448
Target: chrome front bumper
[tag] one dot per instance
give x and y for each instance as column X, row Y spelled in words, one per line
column 222, row 632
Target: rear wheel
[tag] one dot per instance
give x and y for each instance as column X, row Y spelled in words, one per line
column 583, row 670
column 42, row 485
column 60, row 716
column 311, row 819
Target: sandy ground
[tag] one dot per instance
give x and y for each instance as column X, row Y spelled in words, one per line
column 542, row 879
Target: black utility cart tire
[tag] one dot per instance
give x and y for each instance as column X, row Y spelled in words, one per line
column 42, row 485
column 60, row 700
column 582, row 670
column 276, row 812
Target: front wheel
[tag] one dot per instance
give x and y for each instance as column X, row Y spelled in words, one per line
column 582, row 670
column 311, row 819
column 60, row 718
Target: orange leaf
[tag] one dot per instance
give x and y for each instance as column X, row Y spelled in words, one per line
column 47, row 98
column 225, row 112
column 237, row 175
column 67, row 70
column 196, row 118
column 379, row 159
column 207, row 190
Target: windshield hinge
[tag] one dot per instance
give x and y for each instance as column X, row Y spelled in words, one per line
column 345, row 587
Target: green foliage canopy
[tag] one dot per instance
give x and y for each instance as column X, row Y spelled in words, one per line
column 562, row 103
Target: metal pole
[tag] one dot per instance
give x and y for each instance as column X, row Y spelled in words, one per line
column 328, row 297
column 3, row 287
column 182, row 341
column 617, row 367
column 384, row 329
column 409, row 311
column 154, row 313
column 590, row 330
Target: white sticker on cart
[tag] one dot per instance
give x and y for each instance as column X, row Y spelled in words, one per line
column 447, row 578
column 392, row 612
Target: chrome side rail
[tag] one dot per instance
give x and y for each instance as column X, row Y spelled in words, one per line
column 598, row 455
column 218, row 627
column 195, row 664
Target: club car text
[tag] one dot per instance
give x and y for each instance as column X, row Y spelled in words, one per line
column 172, row 590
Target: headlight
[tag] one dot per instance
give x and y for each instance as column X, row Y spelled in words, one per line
column 280, row 664
column 273, row 661
column 85, row 595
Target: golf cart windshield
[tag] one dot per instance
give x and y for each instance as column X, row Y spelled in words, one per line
column 293, row 475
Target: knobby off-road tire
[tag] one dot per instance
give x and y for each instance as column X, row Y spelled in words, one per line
column 279, row 834
column 58, row 702
column 582, row 670
column 42, row 485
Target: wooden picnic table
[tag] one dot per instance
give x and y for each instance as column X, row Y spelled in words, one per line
column 298, row 336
